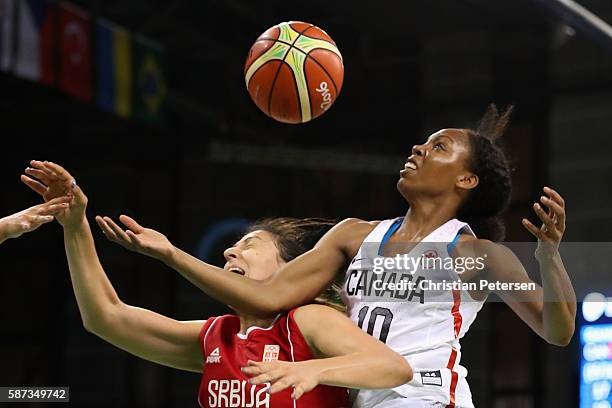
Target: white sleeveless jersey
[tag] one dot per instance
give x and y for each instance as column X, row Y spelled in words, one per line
column 423, row 326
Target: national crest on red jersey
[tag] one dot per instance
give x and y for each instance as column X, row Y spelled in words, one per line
column 226, row 351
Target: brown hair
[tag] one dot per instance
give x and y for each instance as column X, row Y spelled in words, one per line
column 293, row 237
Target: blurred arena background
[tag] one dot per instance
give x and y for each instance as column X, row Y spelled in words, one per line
column 205, row 160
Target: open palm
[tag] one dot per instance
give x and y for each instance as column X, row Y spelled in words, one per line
column 136, row 238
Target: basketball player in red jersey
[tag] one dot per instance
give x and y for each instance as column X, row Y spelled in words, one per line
column 457, row 174
column 327, row 348
column 15, row 225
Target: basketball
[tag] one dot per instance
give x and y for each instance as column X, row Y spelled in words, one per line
column 294, row 72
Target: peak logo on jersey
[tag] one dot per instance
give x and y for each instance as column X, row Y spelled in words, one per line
column 431, row 377
column 214, row 357
column 236, row 393
column 270, row 353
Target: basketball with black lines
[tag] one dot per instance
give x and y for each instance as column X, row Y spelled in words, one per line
column 294, row 72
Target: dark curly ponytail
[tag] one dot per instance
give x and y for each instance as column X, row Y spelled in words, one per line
column 487, row 202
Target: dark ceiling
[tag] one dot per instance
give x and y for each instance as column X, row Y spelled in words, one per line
column 408, row 65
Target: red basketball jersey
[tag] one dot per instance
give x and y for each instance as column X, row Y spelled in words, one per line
column 225, row 351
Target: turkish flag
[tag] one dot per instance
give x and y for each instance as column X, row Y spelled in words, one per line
column 75, row 52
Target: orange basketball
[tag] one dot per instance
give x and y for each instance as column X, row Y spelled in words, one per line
column 294, row 72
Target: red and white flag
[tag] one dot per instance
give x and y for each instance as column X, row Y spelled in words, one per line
column 35, row 45
column 75, row 52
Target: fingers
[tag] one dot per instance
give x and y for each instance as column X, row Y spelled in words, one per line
column 298, row 391
column 52, row 207
column 279, row 377
column 299, row 386
column 39, row 174
column 264, row 378
column 32, row 222
column 555, row 196
column 119, row 232
column 267, row 376
column 553, row 219
column 38, row 220
column 35, row 185
column 282, row 384
column 131, row 224
column 58, row 200
column 48, row 171
column 535, row 231
column 40, row 166
column 57, row 170
column 109, row 232
column 555, row 209
column 545, row 218
column 263, row 372
column 114, row 233
column 106, row 230
column 257, row 367
column 253, row 371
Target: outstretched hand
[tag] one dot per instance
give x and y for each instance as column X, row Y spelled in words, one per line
column 51, row 181
column 136, row 238
column 302, row 376
column 549, row 235
column 15, row 225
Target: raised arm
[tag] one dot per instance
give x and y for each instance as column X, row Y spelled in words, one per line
column 295, row 284
column 141, row 332
column 550, row 309
column 15, row 225
column 347, row 357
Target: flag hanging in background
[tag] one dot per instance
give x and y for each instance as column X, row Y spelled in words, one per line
column 35, row 41
column 7, row 9
column 150, row 89
column 75, row 53
column 114, row 68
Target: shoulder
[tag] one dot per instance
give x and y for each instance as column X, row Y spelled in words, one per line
column 226, row 317
column 478, row 246
column 348, row 234
column 313, row 317
column 465, row 237
column 214, row 323
column 498, row 257
column 355, row 225
column 314, row 311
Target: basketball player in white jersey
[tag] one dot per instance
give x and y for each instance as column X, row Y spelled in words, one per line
column 456, row 184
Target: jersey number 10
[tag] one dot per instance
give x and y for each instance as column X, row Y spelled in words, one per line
column 376, row 312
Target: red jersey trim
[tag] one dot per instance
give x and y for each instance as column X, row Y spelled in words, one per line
column 297, row 332
column 204, row 332
column 458, row 320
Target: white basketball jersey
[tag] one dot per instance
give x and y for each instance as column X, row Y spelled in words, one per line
column 423, row 326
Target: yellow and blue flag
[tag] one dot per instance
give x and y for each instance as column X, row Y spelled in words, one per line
column 114, row 68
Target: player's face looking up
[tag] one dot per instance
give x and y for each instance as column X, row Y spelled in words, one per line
column 254, row 256
column 439, row 166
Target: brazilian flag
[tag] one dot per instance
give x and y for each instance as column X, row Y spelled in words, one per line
column 150, row 87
